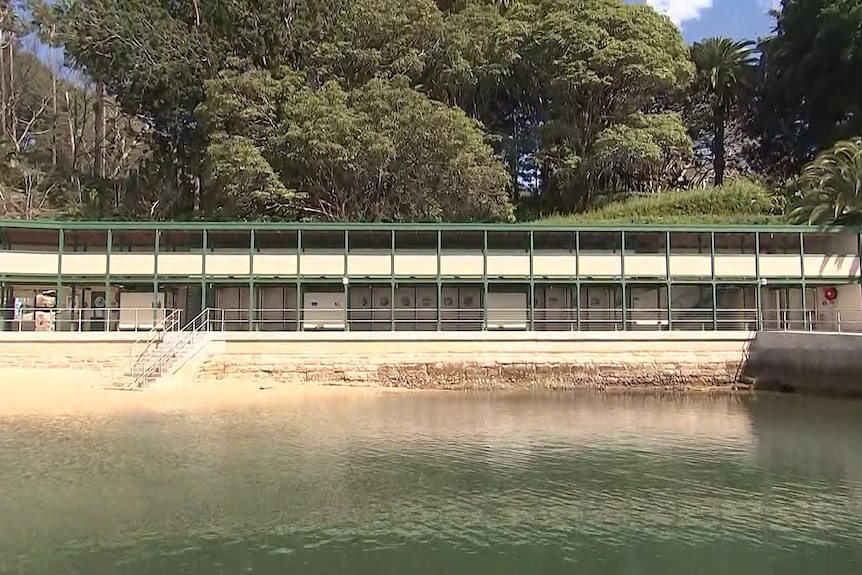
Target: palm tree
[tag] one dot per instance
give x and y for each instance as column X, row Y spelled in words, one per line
column 831, row 186
column 724, row 74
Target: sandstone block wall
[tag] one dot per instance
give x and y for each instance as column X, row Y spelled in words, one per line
column 46, row 355
column 466, row 365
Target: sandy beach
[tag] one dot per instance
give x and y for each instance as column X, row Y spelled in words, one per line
column 58, row 392
column 28, row 392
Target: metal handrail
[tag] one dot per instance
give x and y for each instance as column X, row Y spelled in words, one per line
column 78, row 319
column 198, row 324
column 155, row 335
column 611, row 318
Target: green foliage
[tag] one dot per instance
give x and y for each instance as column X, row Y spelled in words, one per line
column 810, row 83
column 424, row 110
column 724, row 69
column 598, row 66
column 382, row 152
column 635, row 154
column 724, row 81
column 736, row 202
column 830, row 187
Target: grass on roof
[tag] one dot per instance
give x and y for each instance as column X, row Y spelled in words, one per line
column 735, row 203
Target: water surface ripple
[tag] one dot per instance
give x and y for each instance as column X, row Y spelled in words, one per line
column 375, row 482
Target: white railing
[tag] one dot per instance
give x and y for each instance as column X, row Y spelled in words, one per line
column 153, row 337
column 543, row 319
column 31, row 318
column 154, row 364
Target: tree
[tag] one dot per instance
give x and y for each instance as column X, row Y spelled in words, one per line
column 155, row 58
column 381, row 152
column 830, row 187
column 548, row 77
column 810, row 83
column 724, row 78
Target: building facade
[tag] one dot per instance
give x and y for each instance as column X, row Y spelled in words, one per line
column 418, row 277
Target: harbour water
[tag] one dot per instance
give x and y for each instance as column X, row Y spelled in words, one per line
column 365, row 482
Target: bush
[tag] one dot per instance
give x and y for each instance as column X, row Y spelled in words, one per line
column 738, row 202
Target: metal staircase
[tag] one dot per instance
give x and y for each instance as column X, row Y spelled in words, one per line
column 167, row 351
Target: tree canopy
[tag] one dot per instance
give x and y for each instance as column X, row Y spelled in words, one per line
column 415, row 110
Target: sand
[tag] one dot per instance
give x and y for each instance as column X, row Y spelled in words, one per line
column 64, row 391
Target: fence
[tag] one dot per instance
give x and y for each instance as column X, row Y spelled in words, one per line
column 87, row 319
column 541, row 319
column 448, row 319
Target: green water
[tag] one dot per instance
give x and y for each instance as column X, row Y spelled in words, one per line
column 378, row 483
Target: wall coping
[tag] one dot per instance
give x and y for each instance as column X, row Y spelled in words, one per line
column 71, row 337
column 389, row 336
column 476, row 336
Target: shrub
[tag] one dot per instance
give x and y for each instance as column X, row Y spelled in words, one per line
column 737, row 202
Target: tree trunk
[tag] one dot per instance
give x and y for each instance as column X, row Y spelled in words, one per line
column 99, row 133
column 718, row 151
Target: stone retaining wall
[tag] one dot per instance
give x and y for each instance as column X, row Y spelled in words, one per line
column 98, row 357
column 629, row 365
column 497, row 360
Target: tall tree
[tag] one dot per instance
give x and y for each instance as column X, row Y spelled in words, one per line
column 382, row 152
column 551, row 79
column 811, row 82
column 725, row 74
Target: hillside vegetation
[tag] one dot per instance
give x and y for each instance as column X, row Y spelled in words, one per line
column 733, row 203
column 423, row 111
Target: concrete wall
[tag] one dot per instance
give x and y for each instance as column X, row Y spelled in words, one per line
column 829, row 363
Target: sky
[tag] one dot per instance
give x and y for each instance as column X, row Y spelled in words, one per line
column 700, row 19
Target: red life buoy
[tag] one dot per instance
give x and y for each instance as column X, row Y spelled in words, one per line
column 830, row 293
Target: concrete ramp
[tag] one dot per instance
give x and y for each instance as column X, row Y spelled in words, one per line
column 806, row 362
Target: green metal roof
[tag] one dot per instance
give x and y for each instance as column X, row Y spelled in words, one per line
column 426, row 227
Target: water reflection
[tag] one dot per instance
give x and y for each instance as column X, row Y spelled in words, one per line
column 369, row 482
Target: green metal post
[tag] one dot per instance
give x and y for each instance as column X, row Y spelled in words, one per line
column 669, row 302
column 205, row 303
column 392, row 280
column 108, row 298
column 439, row 282
column 804, row 282
column 252, row 299
column 155, row 303
column 346, row 282
column 758, row 298
column 623, row 279
column 484, row 280
column 531, row 305
column 714, row 287
column 298, row 300
column 577, row 238
column 61, row 241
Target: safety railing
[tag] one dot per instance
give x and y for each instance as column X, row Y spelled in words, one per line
column 31, row 318
column 156, row 335
column 172, row 349
column 543, row 319
column 823, row 319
